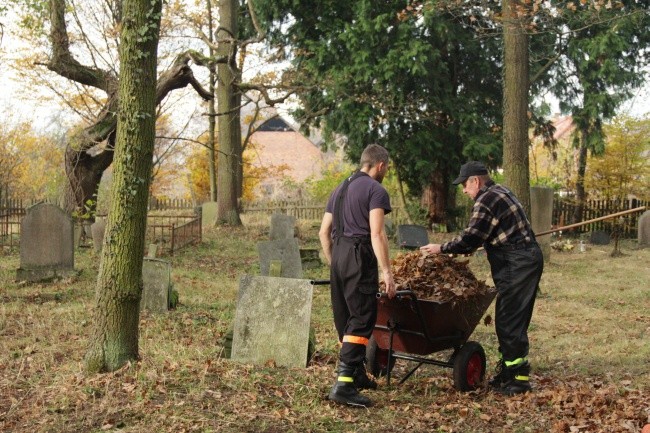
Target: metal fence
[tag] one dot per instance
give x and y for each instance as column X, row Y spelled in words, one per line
column 173, row 232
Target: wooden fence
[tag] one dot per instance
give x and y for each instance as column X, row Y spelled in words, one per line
column 169, row 232
column 627, row 225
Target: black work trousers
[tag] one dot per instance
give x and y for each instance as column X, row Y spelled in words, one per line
column 516, row 274
column 354, row 282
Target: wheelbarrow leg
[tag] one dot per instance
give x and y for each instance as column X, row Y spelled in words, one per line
column 390, row 355
column 410, row 373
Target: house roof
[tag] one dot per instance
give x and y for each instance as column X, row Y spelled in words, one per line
column 564, row 127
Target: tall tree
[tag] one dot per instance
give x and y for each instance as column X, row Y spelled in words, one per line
column 515, row 99
column 228, row 120
column 114, row 339
column 89, row 151
column 414, row 78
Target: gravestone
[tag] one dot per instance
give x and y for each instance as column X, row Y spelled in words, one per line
column 272, row 321
column 46, row 244
column 157, row 285
column 208, row 214
column 599, row 238
column 644, row 229
column 282, row 226
column 411, row 236
column 152, row 251
column 541, row 216
column 98, row 229
column 284, row 250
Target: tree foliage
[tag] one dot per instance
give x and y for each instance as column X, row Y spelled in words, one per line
column 623, row 169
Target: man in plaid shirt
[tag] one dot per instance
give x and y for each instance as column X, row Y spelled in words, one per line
column 500, row 225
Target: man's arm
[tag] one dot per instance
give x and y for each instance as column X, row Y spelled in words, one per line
column 325, row 235
column 380, row 247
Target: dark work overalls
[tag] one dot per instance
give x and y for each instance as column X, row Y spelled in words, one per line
column 354, row 281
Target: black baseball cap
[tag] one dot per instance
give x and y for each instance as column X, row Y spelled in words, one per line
column 471, row 168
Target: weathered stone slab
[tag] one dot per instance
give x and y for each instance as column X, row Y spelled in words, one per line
column 282, row 226
column 644, row 230
column 599, row 238
column 46, row 244
column 157, row 285
column 410, row 236
column 208, row 214
column 98, row 229
column 541, row 216
column 286, row 251
column 272, row 321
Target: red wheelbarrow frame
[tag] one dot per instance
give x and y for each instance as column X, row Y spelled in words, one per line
column 407, row 327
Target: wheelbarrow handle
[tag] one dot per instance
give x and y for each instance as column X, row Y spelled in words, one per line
column 400, row 294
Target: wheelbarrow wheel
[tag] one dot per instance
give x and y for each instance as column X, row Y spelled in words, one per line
column 377, row 359
column 469, row 366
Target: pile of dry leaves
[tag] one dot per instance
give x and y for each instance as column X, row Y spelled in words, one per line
column 436, row 277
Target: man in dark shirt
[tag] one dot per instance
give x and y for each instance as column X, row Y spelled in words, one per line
column 354, row 241
column 499, row 224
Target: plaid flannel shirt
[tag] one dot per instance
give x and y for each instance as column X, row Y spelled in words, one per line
column 498, row 219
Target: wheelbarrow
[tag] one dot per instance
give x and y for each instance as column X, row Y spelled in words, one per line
column 409, row 328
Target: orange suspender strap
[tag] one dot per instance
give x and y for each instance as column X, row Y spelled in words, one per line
column 355, row 340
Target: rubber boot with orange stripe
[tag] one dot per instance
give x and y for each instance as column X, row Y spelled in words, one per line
column 344, row 391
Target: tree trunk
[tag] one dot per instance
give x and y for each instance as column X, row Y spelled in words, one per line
column 515, row 101
column 434, row 198
column 114, row 338
column 212, row 120
column 229, row 150
column 581, row 195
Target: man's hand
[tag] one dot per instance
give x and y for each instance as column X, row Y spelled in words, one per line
column 431, row 249
column 390, row 284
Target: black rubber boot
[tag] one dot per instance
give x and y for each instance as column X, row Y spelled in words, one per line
column 503, row 375
column 519, row 383
column 344, row 391
column 361, row 379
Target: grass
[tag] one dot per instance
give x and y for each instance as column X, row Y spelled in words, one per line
column 589, row 350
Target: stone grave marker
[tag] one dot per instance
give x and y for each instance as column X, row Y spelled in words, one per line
column 644, row 229
column 286, row 251
column 208, row 214
column 157, row 285
column 98, row 229
column 46, row 244
column 541, row 216
column 282, row 226
column 411, row 236
column 272, row 321
column 599, row 238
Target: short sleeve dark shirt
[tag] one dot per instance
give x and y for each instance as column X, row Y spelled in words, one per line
column 364, row 194
column 498, row 219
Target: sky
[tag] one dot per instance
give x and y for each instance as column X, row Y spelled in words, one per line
column 18, row 105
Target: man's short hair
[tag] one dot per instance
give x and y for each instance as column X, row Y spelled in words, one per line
column 373, row 154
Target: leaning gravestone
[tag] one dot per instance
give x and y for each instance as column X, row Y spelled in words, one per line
column 286, row 251
column 46, row 244
column 282, row 226
column 98, row 228
column 157, row 285
column 208, row 214
column 411, row 236
column 272, row 321
column 644, row 229
column 599, row 238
